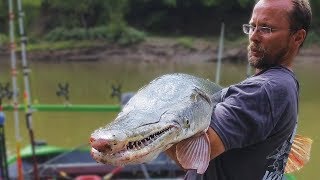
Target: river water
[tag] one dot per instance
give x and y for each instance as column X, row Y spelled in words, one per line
column 91, row 82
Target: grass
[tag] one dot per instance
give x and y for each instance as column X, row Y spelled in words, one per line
column 60, row 45
column 186, row 42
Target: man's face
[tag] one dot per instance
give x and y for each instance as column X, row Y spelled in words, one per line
column 268, row 49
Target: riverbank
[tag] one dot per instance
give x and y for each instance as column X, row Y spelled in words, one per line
column 157, row 50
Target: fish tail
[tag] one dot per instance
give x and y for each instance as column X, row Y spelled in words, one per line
column 299, row 154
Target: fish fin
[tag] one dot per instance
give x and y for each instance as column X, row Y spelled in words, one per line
column 202, row 94
column 299, row 154
column 194, row 153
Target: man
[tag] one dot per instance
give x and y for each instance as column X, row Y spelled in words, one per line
column 252, row 128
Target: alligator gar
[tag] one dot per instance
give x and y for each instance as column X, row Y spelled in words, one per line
column 168, row 110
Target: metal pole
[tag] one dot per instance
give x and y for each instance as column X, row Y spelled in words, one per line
column 27, row 94
column 15, row 88
column 220, row 51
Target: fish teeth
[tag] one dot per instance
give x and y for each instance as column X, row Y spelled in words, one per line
column 137, row 145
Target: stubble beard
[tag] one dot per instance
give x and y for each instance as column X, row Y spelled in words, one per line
column 265, row 60
column 256, row 62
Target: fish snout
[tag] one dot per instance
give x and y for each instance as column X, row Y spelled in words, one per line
column 108, row 142
column 101, row 145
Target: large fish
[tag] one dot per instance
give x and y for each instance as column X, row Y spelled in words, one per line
column 172, row 109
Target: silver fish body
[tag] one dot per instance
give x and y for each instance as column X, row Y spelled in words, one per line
column 168, row 110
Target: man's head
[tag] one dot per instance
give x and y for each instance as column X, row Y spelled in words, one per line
column 301, row 15
column 277, row 29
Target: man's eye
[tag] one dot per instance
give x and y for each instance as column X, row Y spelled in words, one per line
column 265, row 29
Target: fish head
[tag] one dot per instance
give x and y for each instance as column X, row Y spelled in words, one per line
column 158, row 116
column 139, row 136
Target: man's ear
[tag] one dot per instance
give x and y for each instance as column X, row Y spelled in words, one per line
column 299, row 37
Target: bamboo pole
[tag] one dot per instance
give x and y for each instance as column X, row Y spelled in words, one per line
column 15, row 89
column 27, row 94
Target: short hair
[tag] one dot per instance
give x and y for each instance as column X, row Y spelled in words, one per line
column 300, row 15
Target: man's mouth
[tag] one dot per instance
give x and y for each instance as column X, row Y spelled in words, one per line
column 255, row 47
column 255, row 52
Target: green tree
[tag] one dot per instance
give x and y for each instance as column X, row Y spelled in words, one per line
column 84, row 13
column 73, row 13
column 315, row 5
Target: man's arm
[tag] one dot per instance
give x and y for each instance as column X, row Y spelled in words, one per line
column 216, row 144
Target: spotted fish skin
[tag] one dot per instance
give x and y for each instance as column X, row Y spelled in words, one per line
column 171, row 109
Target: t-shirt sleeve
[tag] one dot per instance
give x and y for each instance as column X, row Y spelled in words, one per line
column 244, row 116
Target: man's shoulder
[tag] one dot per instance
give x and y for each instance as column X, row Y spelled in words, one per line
column 279, row 72
column 274, row 78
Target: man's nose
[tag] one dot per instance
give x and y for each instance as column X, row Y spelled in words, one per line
column 255, row 35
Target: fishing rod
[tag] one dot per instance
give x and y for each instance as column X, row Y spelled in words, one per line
column 15, row 88
column 27, row 95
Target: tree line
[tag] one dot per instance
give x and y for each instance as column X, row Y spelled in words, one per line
column 168, row 17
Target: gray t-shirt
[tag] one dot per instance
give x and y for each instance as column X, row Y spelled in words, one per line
column 256, row 121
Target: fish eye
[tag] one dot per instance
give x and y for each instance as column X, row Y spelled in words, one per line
column 186, row 123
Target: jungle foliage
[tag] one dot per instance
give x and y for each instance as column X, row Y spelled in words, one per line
column 85, row 19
